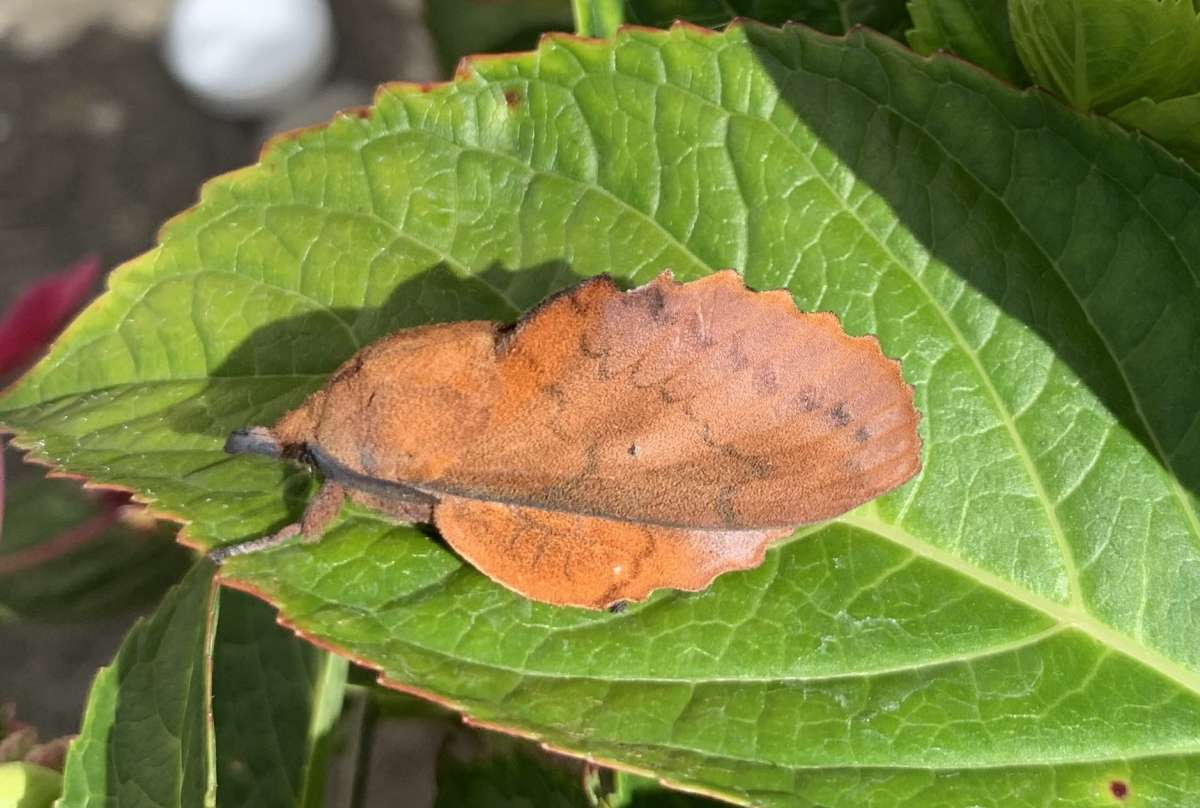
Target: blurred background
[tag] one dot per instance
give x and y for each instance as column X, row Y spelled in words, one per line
column 112, row 114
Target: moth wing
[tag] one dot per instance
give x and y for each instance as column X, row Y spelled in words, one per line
column 572, row 560
column 698, row 405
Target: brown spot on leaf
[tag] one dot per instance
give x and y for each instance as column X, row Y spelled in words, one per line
column 512, row 98
column 511, row 438
column 1119, row 789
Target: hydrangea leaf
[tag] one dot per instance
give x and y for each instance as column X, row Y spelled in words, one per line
column 976, row 30
column 1101, row 54
column 146, row 739
column 68, row 554
column 1017, row 625
column 275, row 700
column 207, row 702
column 463, row 27
column 1173, row 122
column 829, row 16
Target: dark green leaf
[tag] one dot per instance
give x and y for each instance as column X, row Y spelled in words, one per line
column 1102, row 54
column 1137, row 60
column 1175, row 123
column 615, row 789
column 831, row 16
column 492, row 770
column 275, row 701
column 68, row 554
column 976, row 30
column 1018, row 625
column 145, row 738
column 463, row 27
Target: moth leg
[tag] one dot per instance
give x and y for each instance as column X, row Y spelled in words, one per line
column 255, row 545
column 321, row 510
column 317, row 516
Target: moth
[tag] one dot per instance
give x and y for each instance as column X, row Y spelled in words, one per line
column 608, row 443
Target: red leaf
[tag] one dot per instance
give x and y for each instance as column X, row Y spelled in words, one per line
column 38, row 315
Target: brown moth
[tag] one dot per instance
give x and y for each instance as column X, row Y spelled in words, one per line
column 609, row 443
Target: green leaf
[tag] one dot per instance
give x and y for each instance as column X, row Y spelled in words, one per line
column 1137, row 60
column 1102, row 54
column 69, row 556
column 463, row 27
column 492, row 770
column 1174, row 122
column 275, row 702
column 146, row 736
column 28, row 785
column 598, row 17
column 477, row 768
column 1017, row 625
column 145, row 739
column 625, row 790
column 831, row 16
column 976, row 30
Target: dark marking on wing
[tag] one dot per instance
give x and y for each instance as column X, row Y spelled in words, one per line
column 766, row 382
column 656, row 303
column 347, row 371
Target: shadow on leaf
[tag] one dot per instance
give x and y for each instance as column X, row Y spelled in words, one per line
column 1007, row 197
column 283, row 361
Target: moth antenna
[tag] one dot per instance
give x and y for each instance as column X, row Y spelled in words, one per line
column 254, row 440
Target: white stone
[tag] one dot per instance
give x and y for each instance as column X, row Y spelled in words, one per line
column 249, row 58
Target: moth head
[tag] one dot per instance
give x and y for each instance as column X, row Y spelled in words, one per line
column 287, row 438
